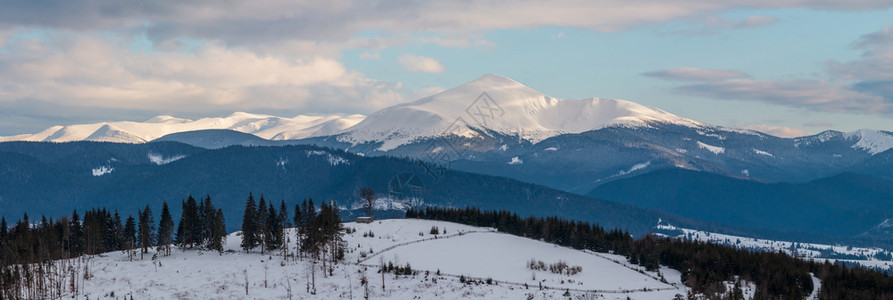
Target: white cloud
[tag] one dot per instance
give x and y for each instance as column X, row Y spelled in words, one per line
column 247, row 22
column 779, row 131
column 825, row 95
column 96, row 72
column 370, row 55
column 415, row 63
column 695, row 74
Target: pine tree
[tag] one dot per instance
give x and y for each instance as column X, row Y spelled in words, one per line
column 117, row 229
column 76, row 240
column 284, row 239
column 146, row 230
column 180, row 235
column 299, row 227
column 283, row 215
column 261, row 219
column 191, row 225
column 130, row 235
column 4, row 231
column 273, row 230
column 249, row 225
column 218, row 231
column 165, row 230
column 208, row 216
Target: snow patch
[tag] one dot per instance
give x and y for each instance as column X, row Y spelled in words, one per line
column 551, row 149
column 102, row 170
column 868, row 257
column 719, row 137
column 503, row 147
column 158, row 159
column 872, row 141
column 634, row 168
column 714, row 149
column 761, row 152
column 515, row 161
column 282, row 162
column 333, row 159
column 745, row 172
column 680, row 150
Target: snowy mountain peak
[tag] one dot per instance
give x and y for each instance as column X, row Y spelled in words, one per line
column 265, row 126
column 494, row 103
column 872, row 141
column 109, row 133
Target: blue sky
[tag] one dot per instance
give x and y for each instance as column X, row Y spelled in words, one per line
column 785, row 68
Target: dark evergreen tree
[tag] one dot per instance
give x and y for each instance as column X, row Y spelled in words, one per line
column 188, row 230
column 192, row 226
column 130, row 233
column 146, row 230
column 76, row 238
column 207, row 219
column 283, row 215
column 273, row 230
column 4, row 231
column 165, row 230
column 249, row 225
column 218, row 232
column 261, row 219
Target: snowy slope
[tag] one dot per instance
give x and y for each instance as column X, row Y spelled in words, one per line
column 872, row 257
column 498, row 104
column 209, row 275
column 872, row 141
column 265, row 126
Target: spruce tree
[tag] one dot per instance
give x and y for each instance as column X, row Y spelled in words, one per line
column 180, row 236
column 165, row 230
column 129, row 233
column 4, row 231
column 118, row 230
column 283, row 215
column 208, row 216
column 76, row 240
column 261, row 219
column 146, row 230
column 249, row 225
column 273, row 230
column 191, row 226
column 218, row 231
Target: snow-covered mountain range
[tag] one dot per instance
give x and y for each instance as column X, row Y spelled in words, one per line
column 489, row 104
column 496, row 104
column 497, row 126
column 265, row 126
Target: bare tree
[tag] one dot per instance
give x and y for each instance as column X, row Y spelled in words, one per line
column 365, row 283
column 368, row 197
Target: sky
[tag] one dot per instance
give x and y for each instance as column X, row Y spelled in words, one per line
column 785, row 67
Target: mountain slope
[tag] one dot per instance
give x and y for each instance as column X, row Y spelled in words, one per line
column 215, row 138
column 493, row 103
column 844, row 205
column 265, row 126
column 279, row 173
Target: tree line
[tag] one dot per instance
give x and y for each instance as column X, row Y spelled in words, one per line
column 34, row 254
column 704, row 266
column 318, row 232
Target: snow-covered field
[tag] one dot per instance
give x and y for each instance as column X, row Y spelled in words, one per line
column 868, row 257
column 476, row 253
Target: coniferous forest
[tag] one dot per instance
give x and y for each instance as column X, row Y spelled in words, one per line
column 704, row 266
column 49, row 258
